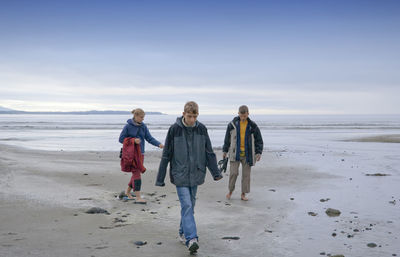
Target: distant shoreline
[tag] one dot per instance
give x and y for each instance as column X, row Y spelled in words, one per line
column 80, row 113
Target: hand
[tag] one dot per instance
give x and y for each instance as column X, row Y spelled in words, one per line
column 224, row 155
column 258, row 157
column 161, row 146
column 137, row 140
column 218, row 178
column 160, row 184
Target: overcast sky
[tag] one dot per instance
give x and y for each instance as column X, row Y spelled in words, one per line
column 281, row 57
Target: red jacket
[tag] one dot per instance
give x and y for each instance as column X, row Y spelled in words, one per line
column 131, row 160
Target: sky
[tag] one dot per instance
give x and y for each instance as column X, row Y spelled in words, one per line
column 277, row 57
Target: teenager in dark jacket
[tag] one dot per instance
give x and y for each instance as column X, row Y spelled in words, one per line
column 136, row 128
column 188, row 150
column 244, row 143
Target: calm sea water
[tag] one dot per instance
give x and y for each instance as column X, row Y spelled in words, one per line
column 101, row 132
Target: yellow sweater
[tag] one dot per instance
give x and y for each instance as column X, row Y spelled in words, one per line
column 243, row 126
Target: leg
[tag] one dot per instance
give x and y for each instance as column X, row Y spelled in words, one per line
column 138, row 184
column 129, row 189
column 188, row 225
column 128, row 193
column 233, row 174
column 193, row 192
column 246, row 170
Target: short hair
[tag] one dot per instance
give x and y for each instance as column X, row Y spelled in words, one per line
column 191, row 107
column 243, row 109
column 138, row 112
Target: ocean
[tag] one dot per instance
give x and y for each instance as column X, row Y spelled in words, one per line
column 101, row 132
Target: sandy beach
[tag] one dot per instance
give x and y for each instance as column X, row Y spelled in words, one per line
column 44, row 196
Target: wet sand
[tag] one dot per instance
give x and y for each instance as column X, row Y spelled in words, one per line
column 44, row 196
column 378, row 139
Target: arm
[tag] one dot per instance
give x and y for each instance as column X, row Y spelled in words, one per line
column 258, row 141
column 166, row 158
column 150, row 139
column 212, row 159
column 227, row 141
column 123, row 135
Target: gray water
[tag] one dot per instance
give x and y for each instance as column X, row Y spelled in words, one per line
column 101, row 132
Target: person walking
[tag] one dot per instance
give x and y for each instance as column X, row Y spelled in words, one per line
column 244, row 145
column 137, row 129
column 189, row 151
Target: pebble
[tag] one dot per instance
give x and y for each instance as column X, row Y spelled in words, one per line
column 371, row 245
column 96, row 210
column 231, row 238
column 332, row 212
column 122, row 195
column 140, row 243
column 104, row 227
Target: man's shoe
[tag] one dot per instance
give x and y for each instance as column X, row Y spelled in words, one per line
column 182, row 238
column 193, row 245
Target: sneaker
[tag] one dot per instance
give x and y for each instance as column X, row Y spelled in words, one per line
column 182, row 238
column 193, row 245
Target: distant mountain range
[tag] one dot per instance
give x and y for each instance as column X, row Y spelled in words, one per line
column 4, row 110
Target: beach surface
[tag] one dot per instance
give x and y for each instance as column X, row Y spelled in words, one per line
column 44, row 196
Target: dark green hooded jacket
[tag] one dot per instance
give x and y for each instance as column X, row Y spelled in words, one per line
column 188, row 150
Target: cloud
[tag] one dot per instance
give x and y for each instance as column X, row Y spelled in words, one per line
column 66, row 89
column 212, row 99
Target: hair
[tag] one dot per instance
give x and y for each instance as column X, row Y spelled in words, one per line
column 191, row 107
column 137, row 112
column 243, row 109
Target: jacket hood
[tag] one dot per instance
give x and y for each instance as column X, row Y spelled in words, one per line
column 237, row 118
column 130, row 122
column 180, row 122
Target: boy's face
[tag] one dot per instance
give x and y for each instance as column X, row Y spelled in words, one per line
column 190, row 118
column 243, row 116
column 139, row 118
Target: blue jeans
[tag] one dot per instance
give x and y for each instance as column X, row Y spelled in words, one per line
column 187, row 198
